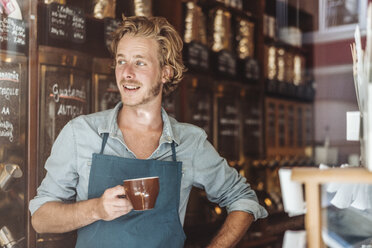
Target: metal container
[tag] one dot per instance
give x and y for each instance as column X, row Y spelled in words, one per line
column 195, row 29
column 298, row 69
column 6, row 238
column 143, row 7
column 104, row 9
column 270, row 69
column 8, row 173
column 221, row 30
column 55, row 1
column 280, row 60
column 245, row 38
column 289, row 67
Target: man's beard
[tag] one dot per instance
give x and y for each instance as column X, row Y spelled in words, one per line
column 153, row 92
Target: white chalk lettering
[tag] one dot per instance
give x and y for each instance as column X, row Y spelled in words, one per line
column 231, row 110
column 69, row 110
column 65, row 10
column 226, row 121
column 5, row 111
column 229, row 133
column 8, row 92
column 77, row 94
column 9, row 76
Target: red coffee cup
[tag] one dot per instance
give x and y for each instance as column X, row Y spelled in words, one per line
column 142, row 192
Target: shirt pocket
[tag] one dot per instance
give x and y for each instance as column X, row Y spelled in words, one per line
column 187, row 173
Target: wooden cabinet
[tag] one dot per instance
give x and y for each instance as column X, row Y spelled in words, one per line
column 288, row 128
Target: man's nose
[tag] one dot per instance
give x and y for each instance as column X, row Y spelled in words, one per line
column 128, row 72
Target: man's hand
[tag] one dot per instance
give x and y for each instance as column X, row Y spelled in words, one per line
column 111, row 205
column 71, row 216
column 233, row 230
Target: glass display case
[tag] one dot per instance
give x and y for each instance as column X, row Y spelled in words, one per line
column 13, row 123
column 13, row 149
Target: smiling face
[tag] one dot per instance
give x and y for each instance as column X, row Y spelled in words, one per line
column 138, row 74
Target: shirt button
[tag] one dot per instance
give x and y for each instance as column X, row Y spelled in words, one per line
column 168, row 138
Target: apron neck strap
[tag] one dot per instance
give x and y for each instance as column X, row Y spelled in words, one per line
column 106, row 135
column 104, row 141
column 174, row 152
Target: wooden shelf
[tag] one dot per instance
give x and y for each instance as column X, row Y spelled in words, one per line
column 315, row 175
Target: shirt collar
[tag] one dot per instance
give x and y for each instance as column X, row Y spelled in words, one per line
column 111, row 126
column 168, row 134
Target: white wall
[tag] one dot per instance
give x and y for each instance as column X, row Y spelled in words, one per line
column 335, row 95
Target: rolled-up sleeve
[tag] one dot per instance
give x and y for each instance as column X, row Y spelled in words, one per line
column 222, row 183
column 61, row 179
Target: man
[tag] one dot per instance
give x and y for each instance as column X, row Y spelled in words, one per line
column 137, row 139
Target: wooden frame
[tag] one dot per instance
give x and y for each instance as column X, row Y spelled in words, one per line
column 313, row 178
column 332, row 11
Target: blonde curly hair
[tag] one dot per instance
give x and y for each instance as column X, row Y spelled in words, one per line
column 169, row 41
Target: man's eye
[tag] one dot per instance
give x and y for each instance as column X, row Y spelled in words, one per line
column 140, row 63
column 121, row 62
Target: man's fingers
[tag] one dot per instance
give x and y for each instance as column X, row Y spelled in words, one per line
column 121, row 202
column 118, row 190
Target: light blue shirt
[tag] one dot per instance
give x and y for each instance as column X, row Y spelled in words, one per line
column 68, row 166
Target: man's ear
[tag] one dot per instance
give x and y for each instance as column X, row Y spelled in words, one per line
column 166, row 74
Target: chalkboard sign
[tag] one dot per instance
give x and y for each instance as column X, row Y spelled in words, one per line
column 251, row 69
column 271, row 125
column 224, row 63
column 291, row 90
column 271, row 86
column 110, row 26
column 300, row 91
column 12, row 34
column 196, row 55
column 251, row 126
column 65, row 99
column 200, row 108
column 309, row 92
column 282, row 88
column 10, row 98
column 308, row 125
column 228, row 127
column 65, row 95
column 108, row 93
column 281, row 125
column 171, row 103
column 291, row 126
column 66, row 23
column 170, row 106
column 300, row 126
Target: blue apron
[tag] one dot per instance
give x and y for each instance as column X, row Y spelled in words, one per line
column 158, row 227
